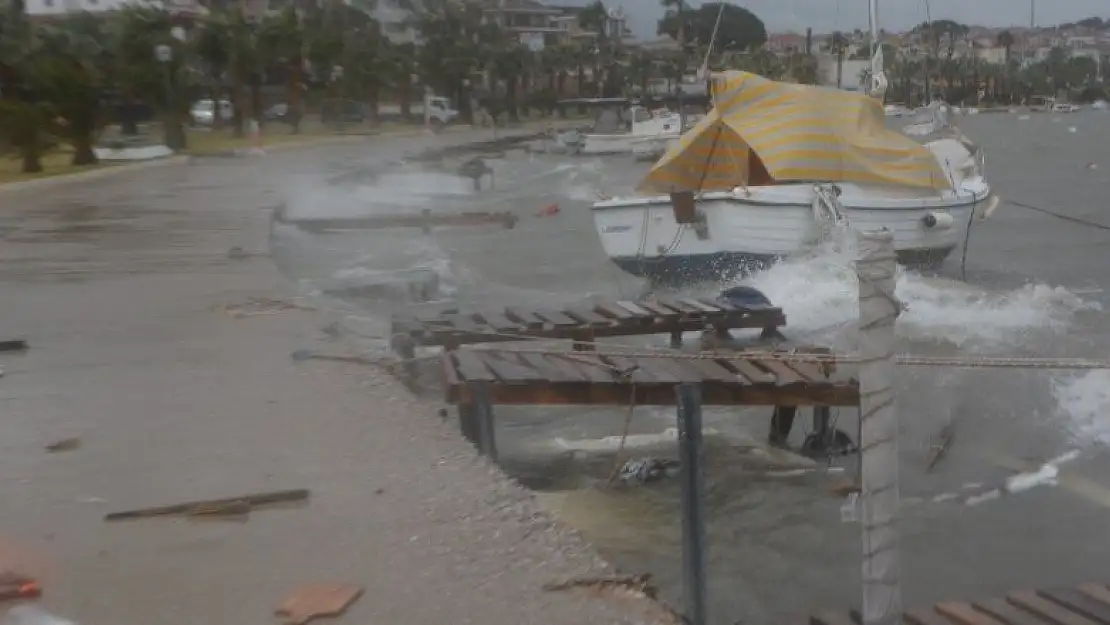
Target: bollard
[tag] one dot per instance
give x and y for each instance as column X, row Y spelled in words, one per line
column 878, row 309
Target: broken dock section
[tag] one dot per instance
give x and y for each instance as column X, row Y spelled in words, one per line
column 479, row 379
column 582, row 324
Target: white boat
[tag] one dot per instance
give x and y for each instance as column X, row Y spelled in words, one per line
column 726, row 229
column 642, row 125
column 895, row 109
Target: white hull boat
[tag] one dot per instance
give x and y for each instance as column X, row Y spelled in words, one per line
column 748, row 228
column 660, row 127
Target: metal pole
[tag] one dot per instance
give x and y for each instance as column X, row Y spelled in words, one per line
column 681, row 66
column 878, row 309
column 694, row 592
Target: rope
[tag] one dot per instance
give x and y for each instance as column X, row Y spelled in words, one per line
column 1061, row 216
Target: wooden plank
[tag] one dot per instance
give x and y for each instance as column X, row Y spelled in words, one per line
column 471, row 368
column 556, row 318
column 634, row 308
column 501, row 323
column 595, row 369
column 710, row 370
column 509, row 368
column 964, row 614
column 670, row 370
column 1048, row 610
column 661, row 311
column 808, row 371
column 554, row 369
column 677, row 304
column 588, row 316
column 629, row 368
column 749, row 373
column 1097, row 592
column 524, row 317
column 1079, row 603
column 613, row 310
column 1007, row 613
column 702, row 306
column 925, row 616
column 784, row 375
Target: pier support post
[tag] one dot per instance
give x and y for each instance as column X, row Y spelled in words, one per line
column 483, row 412
column 694, row 583
column 878, row 309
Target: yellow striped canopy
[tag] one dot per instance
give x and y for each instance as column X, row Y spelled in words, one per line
column 798, row 133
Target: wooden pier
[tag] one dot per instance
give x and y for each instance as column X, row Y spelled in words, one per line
column 1089, row 604
column 478, row 380
column 583, row 324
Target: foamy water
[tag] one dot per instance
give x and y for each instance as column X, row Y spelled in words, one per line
column 1084, row 399
column 820, row 291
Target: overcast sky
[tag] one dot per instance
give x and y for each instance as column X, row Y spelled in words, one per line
column 824, row 15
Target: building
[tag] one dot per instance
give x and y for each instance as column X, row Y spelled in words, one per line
column 786, row 43
column 535, row 24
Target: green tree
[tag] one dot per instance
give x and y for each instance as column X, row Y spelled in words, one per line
column 739, row 29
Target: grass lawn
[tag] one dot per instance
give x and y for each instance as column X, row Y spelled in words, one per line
column 54, row 163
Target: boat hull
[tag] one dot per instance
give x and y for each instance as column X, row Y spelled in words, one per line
column 743, row 232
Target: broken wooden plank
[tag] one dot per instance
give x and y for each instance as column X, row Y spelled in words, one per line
column 940, row 448
column 317, row 600
column 1029, row 601
column 258, row 499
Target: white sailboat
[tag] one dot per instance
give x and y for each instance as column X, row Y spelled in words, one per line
column 785, row 164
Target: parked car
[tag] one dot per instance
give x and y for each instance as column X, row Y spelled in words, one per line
column 203, row 112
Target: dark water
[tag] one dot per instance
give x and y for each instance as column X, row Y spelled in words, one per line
column 1035, row 286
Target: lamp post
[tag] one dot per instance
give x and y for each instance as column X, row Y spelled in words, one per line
column 172, row 130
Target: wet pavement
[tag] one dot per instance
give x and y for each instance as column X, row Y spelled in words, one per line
column 105, row 269
column 121, row 287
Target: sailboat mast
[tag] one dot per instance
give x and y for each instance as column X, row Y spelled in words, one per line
column 877, row 88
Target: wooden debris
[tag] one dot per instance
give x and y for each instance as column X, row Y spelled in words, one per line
column 16, row 345
column 66, row 444
column 239, row 507
column 317, row 600
column 940, row 448
column 257, row 306
column 640, row 582
column 252, row 501
column 18, row 587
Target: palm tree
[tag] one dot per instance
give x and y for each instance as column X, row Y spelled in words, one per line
column 70, row 73
column 23, row 117
column 838, row 45
column 1006, row 42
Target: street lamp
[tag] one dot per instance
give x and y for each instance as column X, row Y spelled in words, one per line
column 164, row 54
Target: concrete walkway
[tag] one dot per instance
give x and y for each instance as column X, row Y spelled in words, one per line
column 119, row 285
